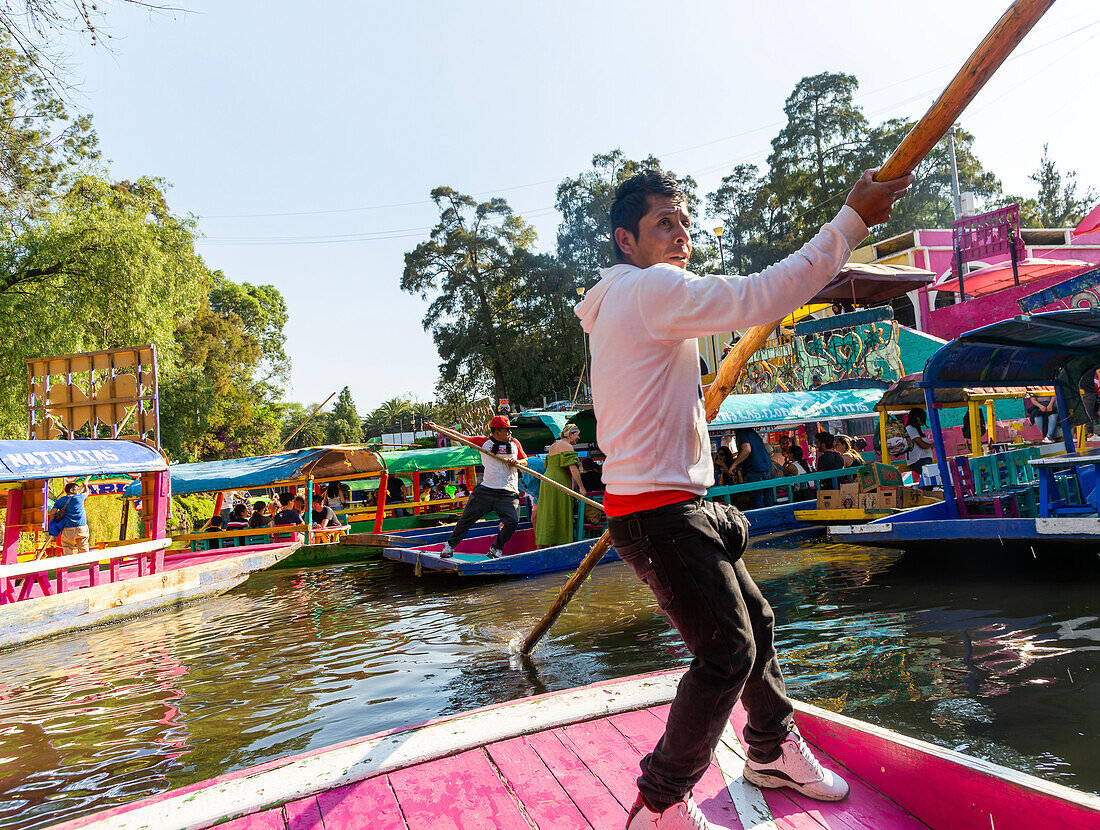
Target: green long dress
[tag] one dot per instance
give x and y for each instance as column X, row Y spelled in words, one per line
column 554, row 523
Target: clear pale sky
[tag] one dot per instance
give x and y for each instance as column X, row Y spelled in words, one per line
column 306, row 137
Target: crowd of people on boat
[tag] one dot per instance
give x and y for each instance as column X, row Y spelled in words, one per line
column 287, row 509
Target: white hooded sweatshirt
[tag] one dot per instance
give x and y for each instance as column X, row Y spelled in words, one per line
column 645, row 363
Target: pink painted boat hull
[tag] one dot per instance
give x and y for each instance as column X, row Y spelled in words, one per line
column 569, row 759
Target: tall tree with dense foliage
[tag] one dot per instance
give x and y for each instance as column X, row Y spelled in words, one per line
column 218, row 402
column 469, row 267
column 1057, row 203
column 110, row 266
column 584, row 202
column 344, row 426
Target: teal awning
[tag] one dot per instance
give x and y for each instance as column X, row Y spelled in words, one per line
column 429, row 460
column 790, row 408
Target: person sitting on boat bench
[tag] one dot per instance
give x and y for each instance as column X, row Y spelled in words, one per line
column 498, row 490
column 324, row 516
column 259, row 517
column 287, row 515
column 643, row 318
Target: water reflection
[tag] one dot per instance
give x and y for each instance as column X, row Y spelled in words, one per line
column 298, row 660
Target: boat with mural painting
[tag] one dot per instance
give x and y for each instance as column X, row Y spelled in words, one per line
column 1025, row 499
column 568, row 760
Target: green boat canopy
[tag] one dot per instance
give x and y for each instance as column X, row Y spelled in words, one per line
column 791, row 408
column 429, row 460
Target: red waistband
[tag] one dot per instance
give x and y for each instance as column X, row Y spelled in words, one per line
column 615, row 505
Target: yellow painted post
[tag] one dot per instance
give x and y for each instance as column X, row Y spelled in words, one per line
column 975, row 429
column 885, row 453
column 991, row 417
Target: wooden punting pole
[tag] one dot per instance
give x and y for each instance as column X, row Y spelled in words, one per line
column 979, row 68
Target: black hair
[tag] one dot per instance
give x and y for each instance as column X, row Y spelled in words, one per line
column 70, row 488
column 725, row 453
column 796, row 452
column 917, row 414
column 238, row 511
column 632, row 202
column 825, row 440
column 333, row 489
column 259, row 505
column 285, row 499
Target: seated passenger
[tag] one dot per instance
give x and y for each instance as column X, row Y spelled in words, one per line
column 214, row 525
column 260, row 516
column 323, row 516
column 795, row 466
column 238, row 519
column 287, row 515
column 827, row 459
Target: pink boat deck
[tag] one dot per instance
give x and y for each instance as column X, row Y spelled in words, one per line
column 81, row 577
column 576, row 777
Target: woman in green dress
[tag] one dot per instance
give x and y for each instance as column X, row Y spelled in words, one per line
column 554, row 524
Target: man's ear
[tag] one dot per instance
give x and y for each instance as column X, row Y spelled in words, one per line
column 625, row 241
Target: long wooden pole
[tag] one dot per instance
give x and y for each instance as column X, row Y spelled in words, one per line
column 302, row 425
column 454, row 436
column 979, row 67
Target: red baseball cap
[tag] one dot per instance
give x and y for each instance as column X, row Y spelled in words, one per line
column 499, row 422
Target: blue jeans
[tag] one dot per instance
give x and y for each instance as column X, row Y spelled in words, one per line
column 689, row 554
column 1047, row 423
column 759, row 498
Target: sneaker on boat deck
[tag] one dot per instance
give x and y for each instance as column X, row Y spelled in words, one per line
column 447, row 551
column 683, row 815
column 798, row 769
column 494, row 553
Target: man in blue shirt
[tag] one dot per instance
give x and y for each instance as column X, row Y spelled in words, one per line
column 74, row 537
column 754, row 462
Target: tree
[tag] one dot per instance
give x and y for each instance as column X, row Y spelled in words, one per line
column 109, row 266
column 42, row 144
column 395, row 414
column 312, row 432
column 469, row 265
column 1056, row 205
column 817, row 154
column 262, row 311
column 218, row 404
column 344, row 426
column 584, row 202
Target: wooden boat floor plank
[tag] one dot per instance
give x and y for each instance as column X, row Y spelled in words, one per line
column 599, row 807
column 304, row 814
column 460, row 792
column 610, row 757
column 865, row 807
column 267, row 820
column 372, row 800
column 546, row 801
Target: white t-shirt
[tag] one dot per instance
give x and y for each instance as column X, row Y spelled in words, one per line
column 917, row 453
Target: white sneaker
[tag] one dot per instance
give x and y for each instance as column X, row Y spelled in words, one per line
column 798, row 769
column 447, row 551
column 683, row 815
column 494, row 552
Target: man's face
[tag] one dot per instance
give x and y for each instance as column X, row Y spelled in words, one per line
column 663, row 235
column 502, row 435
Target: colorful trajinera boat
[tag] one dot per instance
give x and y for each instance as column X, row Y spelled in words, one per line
column 568, row 761
column 1017, row 500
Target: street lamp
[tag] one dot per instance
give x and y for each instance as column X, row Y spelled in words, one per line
column 722, row 254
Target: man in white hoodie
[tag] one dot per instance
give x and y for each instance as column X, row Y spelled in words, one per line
column 642, row 318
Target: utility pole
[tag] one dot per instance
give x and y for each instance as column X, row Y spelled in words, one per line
column 955, row 177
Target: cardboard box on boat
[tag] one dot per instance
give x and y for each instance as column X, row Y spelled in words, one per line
column 844, row 498
column 875, row 475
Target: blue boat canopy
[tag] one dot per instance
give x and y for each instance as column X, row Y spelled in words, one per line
column 789, row 408
column 268, row 470
column 24, row 460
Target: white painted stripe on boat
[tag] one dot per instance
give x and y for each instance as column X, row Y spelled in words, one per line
column 303, row 776
column 1082, row 525
column 748, row 801
column 858, row 529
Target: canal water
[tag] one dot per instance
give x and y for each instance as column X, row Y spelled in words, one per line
column 1003, row 666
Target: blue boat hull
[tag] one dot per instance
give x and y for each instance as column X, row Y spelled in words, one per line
column 470, row 562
